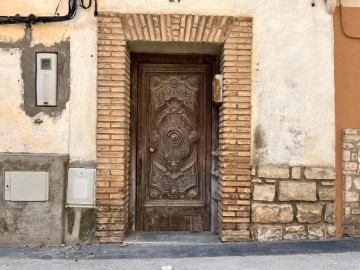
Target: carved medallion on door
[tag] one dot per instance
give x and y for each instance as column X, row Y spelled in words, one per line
column 173, row 145
column 172, row 135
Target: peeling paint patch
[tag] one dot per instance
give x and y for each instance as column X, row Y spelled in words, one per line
column 25, row 127
column 49, row 33
column 28, row 67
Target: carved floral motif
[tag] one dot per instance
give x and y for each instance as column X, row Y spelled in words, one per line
column 173, row 161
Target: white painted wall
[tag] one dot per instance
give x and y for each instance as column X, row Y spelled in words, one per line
column 293, row 89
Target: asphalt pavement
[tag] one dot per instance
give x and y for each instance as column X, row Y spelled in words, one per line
column 134, row 255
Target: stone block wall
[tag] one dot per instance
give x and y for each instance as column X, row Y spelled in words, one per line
column 292, row 202
column 351, row 182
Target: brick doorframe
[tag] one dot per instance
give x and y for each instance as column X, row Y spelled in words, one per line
column 113, row 113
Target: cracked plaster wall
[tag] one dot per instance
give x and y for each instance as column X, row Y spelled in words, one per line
column 293, row 78
column 69, row 128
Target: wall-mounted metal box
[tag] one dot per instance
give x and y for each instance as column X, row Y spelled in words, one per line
column 218, row 84
column 46, row 79
column 25, row 186
column 81, row 187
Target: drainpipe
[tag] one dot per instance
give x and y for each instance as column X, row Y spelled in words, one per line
column 330, row 6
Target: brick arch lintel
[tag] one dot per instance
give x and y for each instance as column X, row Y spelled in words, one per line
column 113, row 113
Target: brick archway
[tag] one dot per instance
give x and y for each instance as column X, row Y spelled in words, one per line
column 113, row 113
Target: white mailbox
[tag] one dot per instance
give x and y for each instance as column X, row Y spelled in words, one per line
column 81, row 187
column 25, row 186
column 46, row 79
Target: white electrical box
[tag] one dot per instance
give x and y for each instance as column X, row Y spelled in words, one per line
column 46, row 79
column 81, row 187
column 26, row 186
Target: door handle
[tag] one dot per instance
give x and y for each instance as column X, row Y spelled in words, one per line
column 152, row 149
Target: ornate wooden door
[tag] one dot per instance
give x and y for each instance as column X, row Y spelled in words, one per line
column 173, row 147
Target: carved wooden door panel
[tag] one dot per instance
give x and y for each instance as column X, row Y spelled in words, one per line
column 174, row 136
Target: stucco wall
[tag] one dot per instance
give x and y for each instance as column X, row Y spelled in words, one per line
column 70, row 130
column 34, row 223
column 293, row 85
